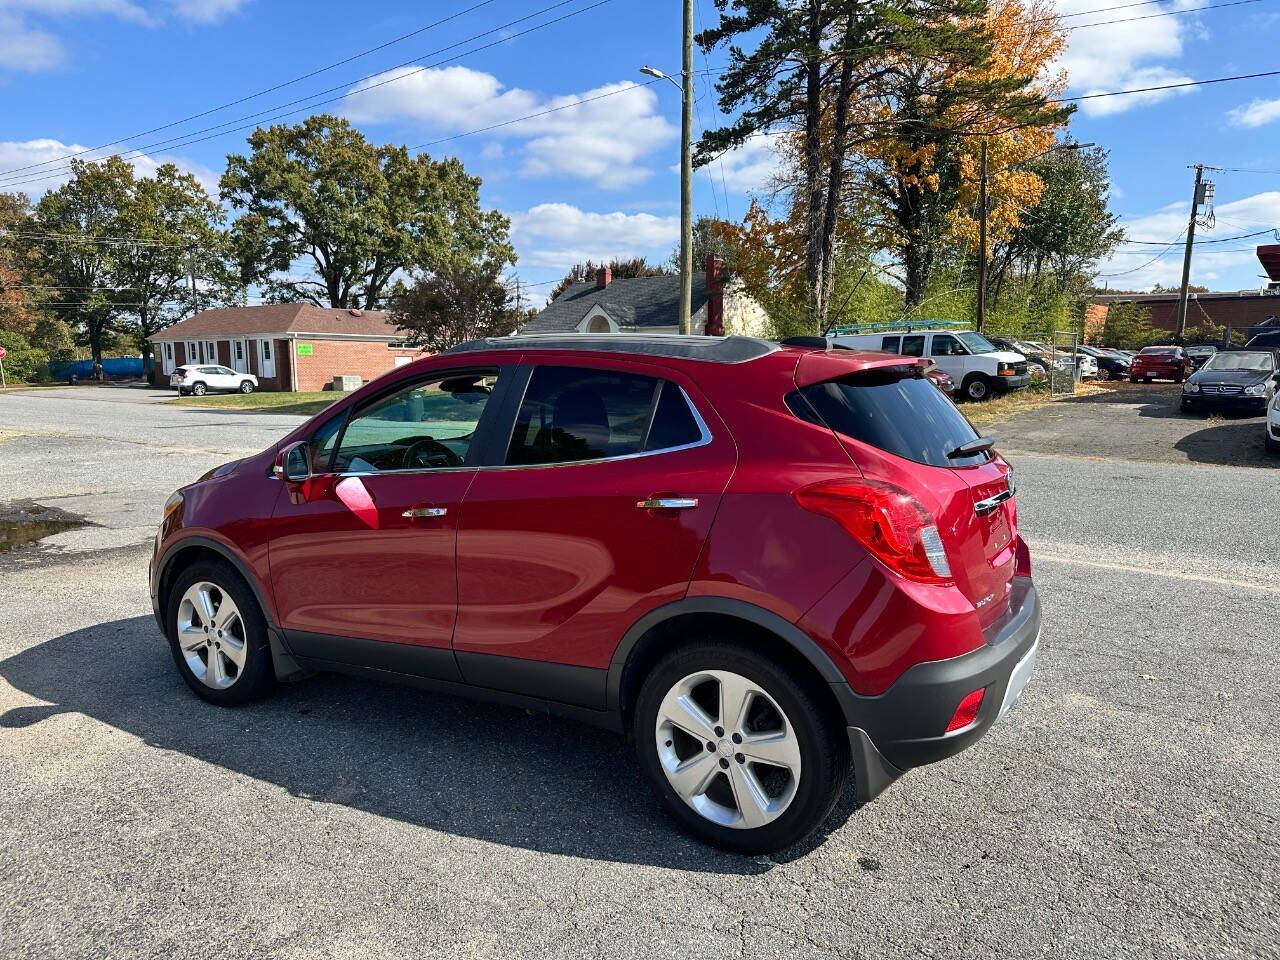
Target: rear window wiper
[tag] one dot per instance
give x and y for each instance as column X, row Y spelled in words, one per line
column 971, row 449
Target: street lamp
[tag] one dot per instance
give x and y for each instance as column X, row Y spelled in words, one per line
column 686, row 168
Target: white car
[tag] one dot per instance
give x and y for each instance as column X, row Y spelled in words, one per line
column 970, row 359
column 1273, row 425
column 199, row 379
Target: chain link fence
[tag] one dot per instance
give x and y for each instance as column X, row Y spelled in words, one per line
column 1060, row 357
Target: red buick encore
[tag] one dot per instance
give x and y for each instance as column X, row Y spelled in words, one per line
column 770, row 565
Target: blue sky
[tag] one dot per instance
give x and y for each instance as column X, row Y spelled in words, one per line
column 599, row 179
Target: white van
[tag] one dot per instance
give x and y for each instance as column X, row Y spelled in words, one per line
column 973, row 362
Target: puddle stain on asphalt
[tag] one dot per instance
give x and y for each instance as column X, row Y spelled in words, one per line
column 25, row 522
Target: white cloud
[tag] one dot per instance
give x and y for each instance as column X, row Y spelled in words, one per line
column 15, row 154
column 205, row 11
column 1123, row 56
column 750, row 167
column 25, row 48
column 1232, row 267
column 29, row 48
column 602, row 141
column 1256, row 113
column 559, row 235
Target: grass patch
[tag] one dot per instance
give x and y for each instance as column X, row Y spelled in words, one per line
column 1002, row 407
column 303, row 404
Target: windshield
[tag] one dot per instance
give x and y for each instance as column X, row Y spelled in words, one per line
column 976, row 342
column 1262, row 362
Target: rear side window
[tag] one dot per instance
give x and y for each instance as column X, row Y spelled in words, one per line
column 913, row 346
column 572, row 414
column 906, row 416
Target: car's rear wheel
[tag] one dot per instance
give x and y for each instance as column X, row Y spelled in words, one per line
column 199, row 389
column 738, row 750
column 218, row 635
column 976, row 387
column 246, row 386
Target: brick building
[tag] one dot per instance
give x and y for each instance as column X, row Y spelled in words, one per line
column 1244, row 311
column 287, row 346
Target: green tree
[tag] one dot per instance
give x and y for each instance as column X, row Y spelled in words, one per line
column 1063, row 235
column 456, row 303
column 1128, row 326
column 813, row 66
column 180, row 236
column 628, row 268
column 355, row 213
column 73, row 236
column 22, row 361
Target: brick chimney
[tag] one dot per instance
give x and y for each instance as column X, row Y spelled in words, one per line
column 603, row 277
column 715, row 296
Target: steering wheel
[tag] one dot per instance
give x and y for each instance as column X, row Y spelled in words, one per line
column 429, row 452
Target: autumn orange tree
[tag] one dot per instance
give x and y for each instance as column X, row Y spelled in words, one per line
column 921, row 169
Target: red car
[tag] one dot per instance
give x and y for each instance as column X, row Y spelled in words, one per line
column 770, row 565
column 1160, row 363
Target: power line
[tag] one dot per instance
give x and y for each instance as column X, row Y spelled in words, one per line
column 230, row 126
column 1165, row 13
column 1243, row 236
column 1169, row 246
column 1167, row 86
column 260, row 93
column 1122, row 6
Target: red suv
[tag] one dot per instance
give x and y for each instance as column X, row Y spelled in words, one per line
column 768, row 564
column 1162, row 363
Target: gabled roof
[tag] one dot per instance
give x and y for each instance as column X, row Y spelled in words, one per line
column 282, row 319
column 636, row 303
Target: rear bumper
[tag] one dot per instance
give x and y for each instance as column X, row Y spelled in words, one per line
column 1011, row 383
column 906, row 725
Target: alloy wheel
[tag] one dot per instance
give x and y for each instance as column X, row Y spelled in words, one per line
column 211, row 635
column 727, row 749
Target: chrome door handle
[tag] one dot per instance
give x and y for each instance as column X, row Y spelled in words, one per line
column 418, row 512
column 668, row 503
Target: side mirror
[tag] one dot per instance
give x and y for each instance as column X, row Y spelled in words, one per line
column 296, row 462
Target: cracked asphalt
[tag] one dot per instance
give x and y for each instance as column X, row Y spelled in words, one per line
column 1128, row 806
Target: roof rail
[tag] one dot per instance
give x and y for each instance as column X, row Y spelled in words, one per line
column 899, row 326
column 686, row 347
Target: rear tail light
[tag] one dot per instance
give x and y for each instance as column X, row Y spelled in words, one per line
column 966, row 714
column 886, row 520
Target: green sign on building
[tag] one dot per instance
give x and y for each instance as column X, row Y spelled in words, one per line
column 304, row 350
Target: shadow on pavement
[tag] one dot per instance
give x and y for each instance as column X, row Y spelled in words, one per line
column 469, row 769
column 1237, row 442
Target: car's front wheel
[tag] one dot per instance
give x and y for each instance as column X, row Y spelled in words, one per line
column 976, row 387
column 218, row 635
column 738, row 750
column 1273, row 446
column 246, row 386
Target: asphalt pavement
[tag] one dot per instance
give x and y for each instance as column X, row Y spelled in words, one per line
column 1128, row 806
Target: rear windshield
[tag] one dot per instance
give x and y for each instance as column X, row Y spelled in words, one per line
column 1157, row 351
column 906, row 416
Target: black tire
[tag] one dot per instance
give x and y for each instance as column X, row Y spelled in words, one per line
column 181, row 392
column 1104, row 373
column 1133, row 379
column 258, row 675
column 976, row 387
column 1179, row 379
column 1146, row 380
column 1186, row 406
column 246, row 386
column 1273, row 446
column 198, row 389
column 823, row 749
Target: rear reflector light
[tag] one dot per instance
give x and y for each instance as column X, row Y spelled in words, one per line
column 886, row 520
column 966, row 714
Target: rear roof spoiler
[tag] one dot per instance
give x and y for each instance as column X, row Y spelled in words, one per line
column 818, row 367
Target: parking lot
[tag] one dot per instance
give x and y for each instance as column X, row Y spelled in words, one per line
column 1128, row 806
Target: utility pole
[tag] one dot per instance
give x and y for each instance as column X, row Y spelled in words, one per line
column 1203, row 193
column 982, row 241
column 686, row 175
